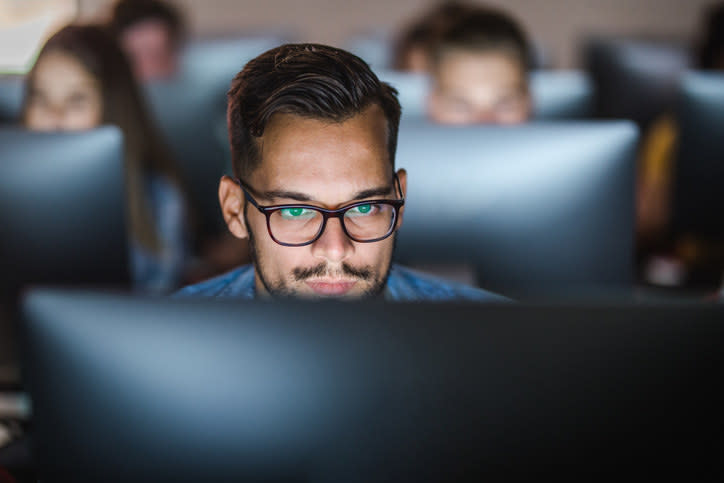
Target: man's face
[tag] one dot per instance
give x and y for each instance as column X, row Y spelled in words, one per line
column 479, row 87
column 329, row 165
column 150, row 49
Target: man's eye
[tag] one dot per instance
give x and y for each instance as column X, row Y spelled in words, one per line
column 297, row 213
column 361, row 210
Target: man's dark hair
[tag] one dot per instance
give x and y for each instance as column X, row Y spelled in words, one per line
column 482, row 30
column 127, row 13
column 425, row 31
column 308, row 80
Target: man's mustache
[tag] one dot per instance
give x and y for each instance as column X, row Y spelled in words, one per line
column 301, row 274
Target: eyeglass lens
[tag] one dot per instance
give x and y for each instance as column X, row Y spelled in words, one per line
column 366, row 222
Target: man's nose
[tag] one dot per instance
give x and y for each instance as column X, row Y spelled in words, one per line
column 334, row 245
column 54, row 117
column 485, row 116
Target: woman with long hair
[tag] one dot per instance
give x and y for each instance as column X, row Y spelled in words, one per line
column 82, row 80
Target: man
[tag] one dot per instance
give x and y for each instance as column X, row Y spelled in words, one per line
column 150, row 33
column 313, row 134
column 413, row 48
column 480, row 71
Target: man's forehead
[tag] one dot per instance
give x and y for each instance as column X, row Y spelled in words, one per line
column 298, row 150
column 480, row 60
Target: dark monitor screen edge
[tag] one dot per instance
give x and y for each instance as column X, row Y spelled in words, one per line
column 291, row 391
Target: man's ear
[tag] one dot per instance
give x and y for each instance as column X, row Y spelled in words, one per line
column 232, row 202
column 402, row 176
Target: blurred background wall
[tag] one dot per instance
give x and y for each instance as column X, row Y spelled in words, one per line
column 557, row 25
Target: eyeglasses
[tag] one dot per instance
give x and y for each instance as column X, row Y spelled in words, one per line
column 298, row 225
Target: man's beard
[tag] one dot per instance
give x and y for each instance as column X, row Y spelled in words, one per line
column 281, row 289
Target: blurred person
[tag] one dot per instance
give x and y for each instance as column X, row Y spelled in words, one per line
column 151, row 33
column 480, row 71
column 415, row 45
column 313, row 135
column 82, row 80
column 656, row 167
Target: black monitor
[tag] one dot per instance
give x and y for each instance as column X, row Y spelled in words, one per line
column 63, row 215
column 561, row 94
column 635, row 77
column 699, row 168
column 11, row 98
column 140, row 389
column 541, row 209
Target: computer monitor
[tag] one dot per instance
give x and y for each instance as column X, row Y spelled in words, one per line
column 561, row 94
column 63, row 216
column 412, row 91
column 556, row 95
column 225, row 56
column 374, row 47
column 541, row 209
column 140, row 389
column 11, row 98
column 191, row 112
column 699, row 168
column 635, row 77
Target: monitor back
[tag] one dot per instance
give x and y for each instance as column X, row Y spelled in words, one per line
column 191, row 113
column 561, row 94
column 374, row 47
column 129, row 389
column 11, row 98
column 699, row 168
column 635, row 78
column 540, row 209
column 63, row 215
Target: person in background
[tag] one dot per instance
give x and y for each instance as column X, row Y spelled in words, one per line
column 413, row 48
column 151, row 33
column 479, row 70
column 313, row 135
column 82, row 80
column 662, row 264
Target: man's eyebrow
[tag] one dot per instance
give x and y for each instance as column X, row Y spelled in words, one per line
column 291, row 195
column 380, row 191
column 297, row 196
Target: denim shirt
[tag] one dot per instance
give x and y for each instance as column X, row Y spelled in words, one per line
column 403, row 284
